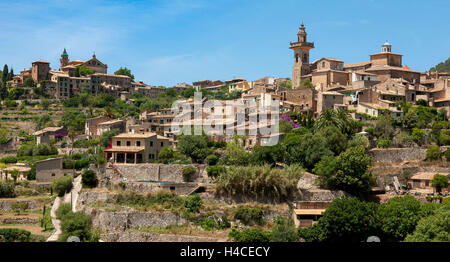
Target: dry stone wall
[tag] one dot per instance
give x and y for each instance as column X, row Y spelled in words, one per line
column 395, row 155
column 6, row 205
column 153, row 237
column 121, row 221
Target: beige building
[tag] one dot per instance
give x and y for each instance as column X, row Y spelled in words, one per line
column 136, row 148
column 44, row 135
column 49, row 169
column 22, row 169
column 91, row 125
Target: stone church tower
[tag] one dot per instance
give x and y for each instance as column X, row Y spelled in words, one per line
column 301, row 57
column 64, row 59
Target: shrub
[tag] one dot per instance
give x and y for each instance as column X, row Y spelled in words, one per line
column 433, row 153
column 89, row 179
column 62, row 185
column 439, row 182
column 284, row 230
column 447, row 154
column 259, row 181
column 19, row 207
column 166, row 154
column 215, row 171
column 44, row 149
column 63, row 210
column 9, row 160
column 77, row 224
column 193, row 204
column 418, row 136
column 253, row 235
column 383, row 143
column 25, row 150
column 15, row 235
column 403, row 140
column 188, row 172
column 212, row 160
column 7, row 190
column 249, row 215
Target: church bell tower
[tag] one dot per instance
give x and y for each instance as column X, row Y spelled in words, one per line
column 301, row 57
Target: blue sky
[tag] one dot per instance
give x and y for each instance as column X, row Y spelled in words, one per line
column 173, row 41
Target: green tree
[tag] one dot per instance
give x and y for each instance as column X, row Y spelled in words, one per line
column 433, row 153
column 261, row 155
column 442, row 67
column 433, row 228
column 89, row 179
column 345, row 220
column 252, row 235
column 76, row 224
column 125, row 72
column 193, row 204
column 284, row 230
column 195, row 147
column 106, row 137
column 439, row 182
column 336, row 141
column 188, row 172
column 29, row 82
column 166, row 154
column 351, row 174
column 306, row 84
column 62, row 185
column 44, row 121
column 307, row 150
column 399, row 217
column 384, row 127
column 83, row 70
column 237, row 155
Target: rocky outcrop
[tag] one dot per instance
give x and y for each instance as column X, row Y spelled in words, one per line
column 153, row 237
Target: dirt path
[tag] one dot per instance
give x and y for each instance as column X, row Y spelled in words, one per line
column 71, row 196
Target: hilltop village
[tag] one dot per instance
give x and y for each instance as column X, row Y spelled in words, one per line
column 83, row 146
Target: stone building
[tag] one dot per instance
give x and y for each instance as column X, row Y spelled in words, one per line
column 91, row 125
column 301, row 68
column 40, row 71
column 49, row 169
column 44, row 135
column 136, row 148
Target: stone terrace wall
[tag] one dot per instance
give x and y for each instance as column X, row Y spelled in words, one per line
column 5, row 205
column 156, row 172
column 121, row 221
column 153, row 237
column 394, row 155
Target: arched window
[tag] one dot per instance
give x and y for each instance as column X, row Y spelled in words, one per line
column 305, row 58
column 296, row 58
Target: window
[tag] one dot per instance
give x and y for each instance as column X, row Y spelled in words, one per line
column 118, row 143
column 128, row 143
column 151, row 143
column 162, row 144
column 138, row 143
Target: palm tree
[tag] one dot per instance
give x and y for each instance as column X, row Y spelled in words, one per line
column 328, row 117
column 346, row 122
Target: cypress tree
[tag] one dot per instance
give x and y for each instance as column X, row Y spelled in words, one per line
column 5, row 74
